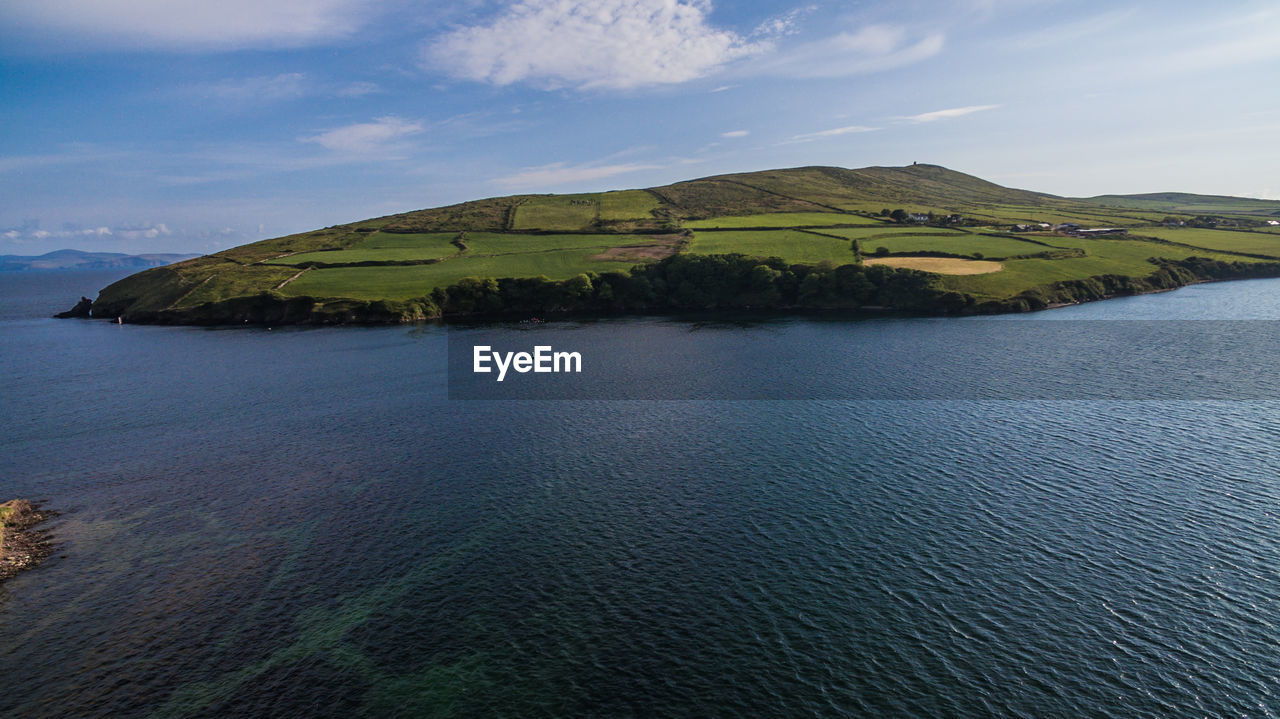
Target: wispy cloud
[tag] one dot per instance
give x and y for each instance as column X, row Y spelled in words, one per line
column 1072, row 31
column 358, row 89
column 378, row 137
column 263, row 89
column 735, row 133
column 833, row 132
column 561, row 174
column 258, row 89
column 787, row 23
column 186, row 25
column 874, row 48
column 948, row 113
column 592, row 44
column 71, row 154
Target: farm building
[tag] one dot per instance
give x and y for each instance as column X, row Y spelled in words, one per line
column 1100, row 231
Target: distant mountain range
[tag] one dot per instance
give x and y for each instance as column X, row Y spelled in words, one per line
column 80, row 260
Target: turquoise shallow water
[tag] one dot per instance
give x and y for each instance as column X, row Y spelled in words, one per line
column 300, row 523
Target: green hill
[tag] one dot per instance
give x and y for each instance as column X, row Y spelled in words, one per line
column 921, row 238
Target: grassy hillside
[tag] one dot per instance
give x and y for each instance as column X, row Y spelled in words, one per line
column 807, row 217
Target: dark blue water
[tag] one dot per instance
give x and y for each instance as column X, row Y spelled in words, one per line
column 300, row 523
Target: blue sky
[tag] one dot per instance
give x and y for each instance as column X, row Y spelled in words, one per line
column 153, row 125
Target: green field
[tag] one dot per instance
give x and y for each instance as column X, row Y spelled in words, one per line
column 782, row 219
column 570, row 212
column 236, row 283
column 1256, row 243
column 495, row 243
column 1121, row 257
column 408, row 281
column 381, row 247
column 791, row 245
column 871, row 233
column 960, row 244
column 488, row 254
column 627, row 205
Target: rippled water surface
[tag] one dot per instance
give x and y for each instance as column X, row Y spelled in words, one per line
column 300, row 523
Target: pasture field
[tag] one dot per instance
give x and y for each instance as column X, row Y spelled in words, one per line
column 236, row 282
column 408, row 281
column 500, row 243
column 488, row 254
column 382, row 247
column 1117, row 257
column 783, row 220
column 557, row 212
column 1005, row 215
column 940, row 265
column 398, row 241
column 793, row 246
column 1256, row 243
column 877, row 232
column 627, row 205
column 960, row 244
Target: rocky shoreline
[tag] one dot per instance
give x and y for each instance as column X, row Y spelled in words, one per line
column 21, row 545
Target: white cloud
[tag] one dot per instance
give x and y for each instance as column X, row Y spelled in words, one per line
column 375, row 137
column 104, row 233
column 833, row 132
column 184, row 24
column 148, row 232
column 948, row 113
column 558, row 174
column 591, row 44
column 872, row 49
column 785, row 24
column 735, row 133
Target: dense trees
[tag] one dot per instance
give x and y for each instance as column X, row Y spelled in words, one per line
column 704, row 282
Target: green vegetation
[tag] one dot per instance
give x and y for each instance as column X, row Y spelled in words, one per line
column 783, row 219
column 878, row 231
column 381, row 247
column 1188, row 204
column 570, row 212
column 1256, row 243
column 958, row 244
column 627, row 205
column 405, row 282
column 791, row 245
column 536, row 248
column 1129, row 258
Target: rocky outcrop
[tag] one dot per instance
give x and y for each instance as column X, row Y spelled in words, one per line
column 80, row 310
column 21, row 545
